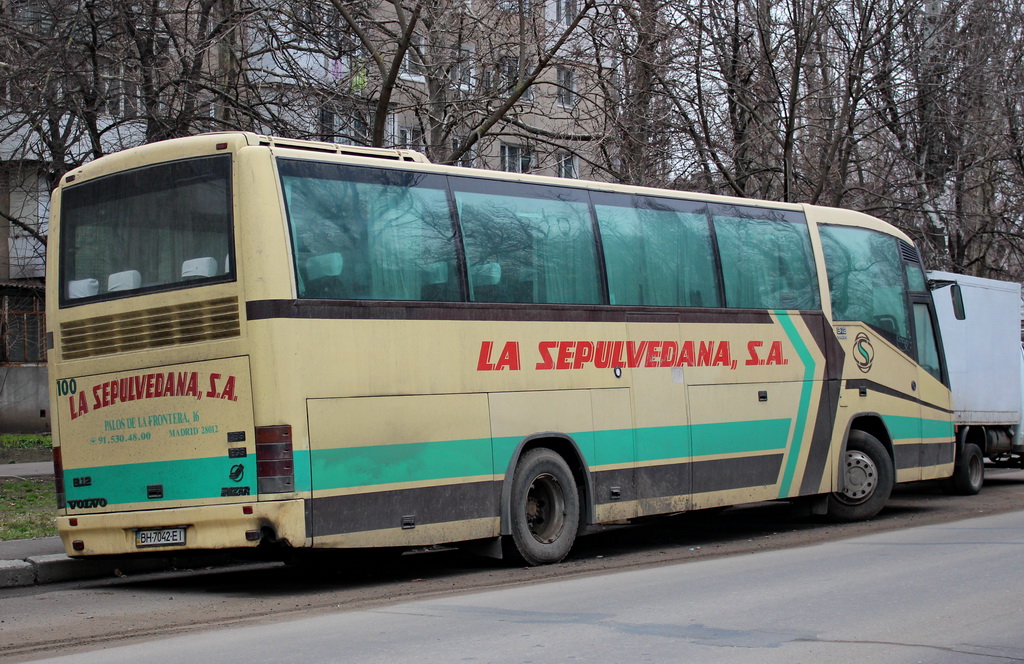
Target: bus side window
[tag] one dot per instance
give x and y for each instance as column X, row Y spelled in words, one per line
column 658, row 252
column 927, row 347
column 766, row 258
column 385, row 227
column 543, row 237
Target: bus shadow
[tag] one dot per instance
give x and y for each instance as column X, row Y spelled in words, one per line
column 671, row 538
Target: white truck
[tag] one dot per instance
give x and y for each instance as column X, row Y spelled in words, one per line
column 986, row 372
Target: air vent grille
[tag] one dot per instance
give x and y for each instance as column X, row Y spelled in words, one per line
column 909, row 252
column 158, row 327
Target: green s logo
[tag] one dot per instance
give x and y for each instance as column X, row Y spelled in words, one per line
column 863, row 352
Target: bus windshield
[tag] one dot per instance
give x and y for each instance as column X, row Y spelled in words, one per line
column 162, row 227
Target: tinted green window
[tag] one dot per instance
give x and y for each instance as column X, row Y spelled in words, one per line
column 657, row 251
column 915, row 278
column 527, row 243
column 369, row 233
column 865, row 279
column 766, row 258
column 927, row 348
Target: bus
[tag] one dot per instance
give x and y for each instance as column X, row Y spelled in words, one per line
column 273, row 344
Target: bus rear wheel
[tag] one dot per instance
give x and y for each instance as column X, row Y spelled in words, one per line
column 545, row 514
column 867, row 479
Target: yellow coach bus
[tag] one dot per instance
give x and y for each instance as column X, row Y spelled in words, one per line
column 260, row 342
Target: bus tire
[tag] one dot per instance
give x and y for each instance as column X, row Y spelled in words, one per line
column 545, row 509
column 968, row 473
column 868, row 479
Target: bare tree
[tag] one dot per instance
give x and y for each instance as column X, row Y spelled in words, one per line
column 441, row 76
column 907, row 109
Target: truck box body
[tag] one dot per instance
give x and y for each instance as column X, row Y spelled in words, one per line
column 983, row 352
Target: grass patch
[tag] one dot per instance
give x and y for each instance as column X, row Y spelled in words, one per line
column 24, row 441
column 27, row 508
column 25, row 448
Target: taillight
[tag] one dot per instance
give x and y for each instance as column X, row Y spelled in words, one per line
column 58, row 477
column 275, row 466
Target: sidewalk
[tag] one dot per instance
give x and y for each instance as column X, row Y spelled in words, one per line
column 40, row 561
column 41, row 469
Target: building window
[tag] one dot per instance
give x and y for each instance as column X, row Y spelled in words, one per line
column 345, row 128
column 565, row 11
column 31, row 15
column 516, row 158
column 508, row 76
column 122, row 96
column 327, row 125
column 410, row 138
column 566, row 86
column 351, row 69
column 468, row 159
column 566, row 165
column 412, row 63
column 519, row 6
column 22, row 329
column 462, row 69
column 8, row 92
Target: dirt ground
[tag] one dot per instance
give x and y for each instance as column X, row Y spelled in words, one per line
column 42, row 621
column 25, row 455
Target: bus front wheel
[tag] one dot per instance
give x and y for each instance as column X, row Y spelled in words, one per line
column 545, row 514
column 867, row 479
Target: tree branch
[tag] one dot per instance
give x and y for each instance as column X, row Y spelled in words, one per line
column 36, row 235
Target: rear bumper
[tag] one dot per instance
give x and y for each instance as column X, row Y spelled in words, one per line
column 206, row 527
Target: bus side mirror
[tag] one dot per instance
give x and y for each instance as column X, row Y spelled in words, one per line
column 954, row 292
column 958, row 302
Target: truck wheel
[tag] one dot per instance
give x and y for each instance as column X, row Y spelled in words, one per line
column 545, row 508
column 868, row 479
column 968, row 473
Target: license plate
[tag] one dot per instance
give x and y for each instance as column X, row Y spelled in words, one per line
column 160, row 537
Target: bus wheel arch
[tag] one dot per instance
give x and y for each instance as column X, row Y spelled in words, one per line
column 867, row 470
column 545, row 499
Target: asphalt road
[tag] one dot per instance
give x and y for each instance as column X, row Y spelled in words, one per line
column 788, row 606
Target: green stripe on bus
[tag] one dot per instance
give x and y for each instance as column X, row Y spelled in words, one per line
column 805, row 401
column 906, row 428
column 712, row 439
column 740, row 437
column 415, row 462
column 182, row 479
column 192, row 479
column 348, row 467
column 300, row 461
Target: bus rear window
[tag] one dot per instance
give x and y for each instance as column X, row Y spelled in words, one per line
column 157, row 228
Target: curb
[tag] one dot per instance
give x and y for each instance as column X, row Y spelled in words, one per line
column 59, row 568
column 16, row 573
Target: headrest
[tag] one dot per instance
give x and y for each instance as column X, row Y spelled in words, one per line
column 127, row 280
column 83, row 288
column 199, row 267
column 324, row 265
